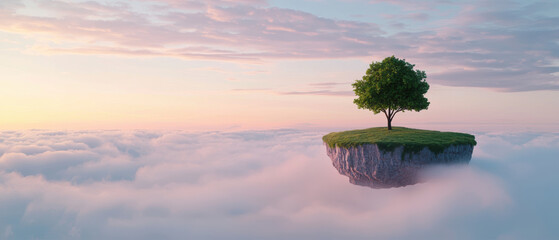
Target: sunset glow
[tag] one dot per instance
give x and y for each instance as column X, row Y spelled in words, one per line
column 258, row 64
column 235, row 119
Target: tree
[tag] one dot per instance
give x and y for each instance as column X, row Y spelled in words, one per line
column 391, row 86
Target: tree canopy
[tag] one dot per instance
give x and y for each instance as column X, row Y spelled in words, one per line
column 391, row 86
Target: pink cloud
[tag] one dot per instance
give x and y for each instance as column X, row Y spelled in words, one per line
column 251, row 31
column 502, row 46
column 274, row 184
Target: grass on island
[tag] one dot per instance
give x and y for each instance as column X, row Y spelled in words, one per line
column 413, row 140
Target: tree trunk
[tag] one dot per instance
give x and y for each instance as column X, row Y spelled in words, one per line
column 389, row 124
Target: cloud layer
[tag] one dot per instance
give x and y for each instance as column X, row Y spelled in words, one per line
column 276, row 184
column 501, row 45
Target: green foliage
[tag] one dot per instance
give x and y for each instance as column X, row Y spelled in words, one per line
column 413, row 140
column 391, row 86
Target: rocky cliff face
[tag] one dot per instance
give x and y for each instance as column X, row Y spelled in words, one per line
column 367, row 165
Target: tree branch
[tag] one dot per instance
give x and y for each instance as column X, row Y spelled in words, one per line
column 394, row 113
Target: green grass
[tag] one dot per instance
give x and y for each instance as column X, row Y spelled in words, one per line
column 413, row 140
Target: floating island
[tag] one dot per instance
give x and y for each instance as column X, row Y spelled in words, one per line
column 382, row 158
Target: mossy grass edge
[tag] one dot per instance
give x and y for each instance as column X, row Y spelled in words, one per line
column 413, row 140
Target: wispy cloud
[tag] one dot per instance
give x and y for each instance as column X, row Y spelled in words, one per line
column 321, row 93
column 505, row 45
column 325, row 90
column 238, row 31
column 328, row 84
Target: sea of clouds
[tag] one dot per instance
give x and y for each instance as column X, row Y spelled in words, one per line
column 276, row 184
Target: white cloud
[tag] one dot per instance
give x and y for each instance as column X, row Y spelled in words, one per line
column 276, row 184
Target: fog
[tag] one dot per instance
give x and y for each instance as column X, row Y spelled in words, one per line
column 275, row 184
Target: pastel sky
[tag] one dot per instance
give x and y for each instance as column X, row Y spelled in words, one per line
column 256, row 64
column 170, row 119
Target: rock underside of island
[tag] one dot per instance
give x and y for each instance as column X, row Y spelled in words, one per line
column 367, row 165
